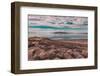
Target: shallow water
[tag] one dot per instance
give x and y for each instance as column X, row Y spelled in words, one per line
column 79, row 32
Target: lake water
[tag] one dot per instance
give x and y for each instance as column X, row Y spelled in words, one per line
column 78, row 32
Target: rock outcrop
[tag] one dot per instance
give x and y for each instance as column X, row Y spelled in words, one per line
column 44, row 48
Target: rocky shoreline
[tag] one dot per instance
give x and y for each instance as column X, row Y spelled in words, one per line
column 44, row 49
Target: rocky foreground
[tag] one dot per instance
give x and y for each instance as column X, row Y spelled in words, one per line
column 44, row 49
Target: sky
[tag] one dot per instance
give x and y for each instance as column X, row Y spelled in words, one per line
column 57, row 21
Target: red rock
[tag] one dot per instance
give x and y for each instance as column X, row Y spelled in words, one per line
column 69, row 51
column 44, row 48
column 51, row 54
column 84, row 53
column 43, row 55
column 67, row 56
column 38, row 53
column 30, row 51
column 60, row 55
column 77, row 55
column 36, row 57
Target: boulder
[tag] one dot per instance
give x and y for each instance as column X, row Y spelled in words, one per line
column 51, row 53
column 85, row 53
column 67, row 56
